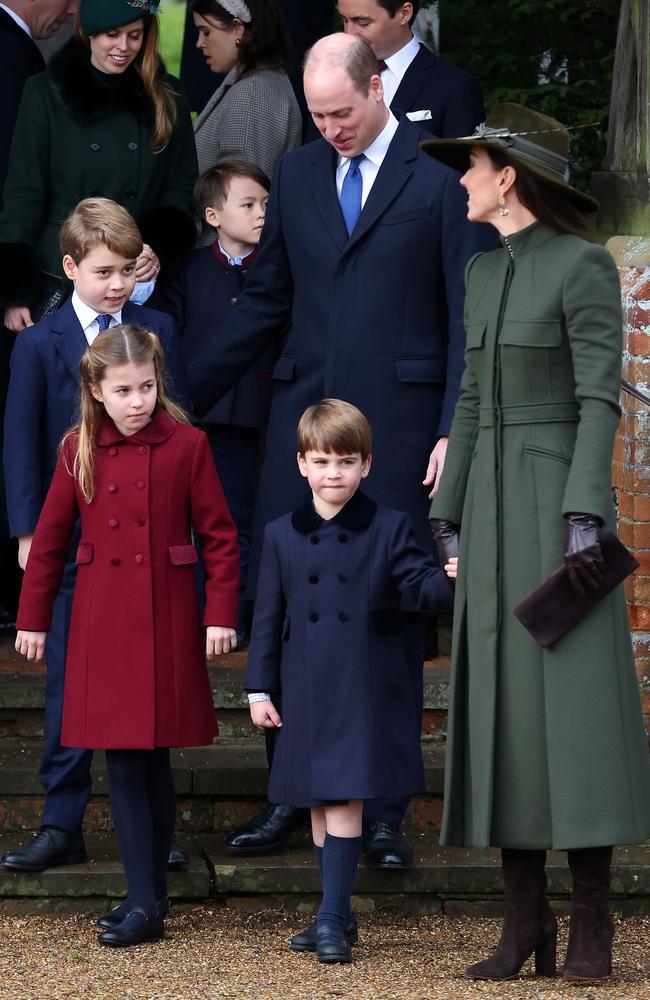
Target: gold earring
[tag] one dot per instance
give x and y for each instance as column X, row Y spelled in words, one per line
column 502, row 205
column 237, row 42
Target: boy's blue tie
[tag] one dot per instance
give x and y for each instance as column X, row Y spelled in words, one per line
column 104, row 321
column 351, row 193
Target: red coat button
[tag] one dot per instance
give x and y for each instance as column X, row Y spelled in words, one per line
column 115, row 561
column 140, row 520
column 142, row 450
column 113, row 523
column 140, row 485
column 112, row 451
column 139, row 558
column 112, row 488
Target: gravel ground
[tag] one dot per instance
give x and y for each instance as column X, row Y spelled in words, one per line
column 221, row 954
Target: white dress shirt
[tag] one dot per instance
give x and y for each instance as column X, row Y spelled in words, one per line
column 396, row 67
column 88, row 318
column 234, row 261
column 19, row 21
column 374, row 157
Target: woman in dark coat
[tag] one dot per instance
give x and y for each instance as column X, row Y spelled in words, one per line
column 546, row 747
column 105, row 119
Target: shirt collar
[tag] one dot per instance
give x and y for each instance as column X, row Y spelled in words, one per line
column 19, row 21
column 377, row 149
column 400, row 61
column 223, row 254
column 86, row 315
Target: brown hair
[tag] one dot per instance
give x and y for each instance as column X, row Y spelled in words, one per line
column 358, row 60
column 211, row 189
column 549, row 204
column 148, row 66
column 392, row 6
column 119, row 345
column 265, row 42
column 99, row 220
column 334, row 425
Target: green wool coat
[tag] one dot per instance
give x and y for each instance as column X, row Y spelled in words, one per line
column 546, row 748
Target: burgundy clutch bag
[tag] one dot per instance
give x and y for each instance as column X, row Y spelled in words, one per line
column 553, row 608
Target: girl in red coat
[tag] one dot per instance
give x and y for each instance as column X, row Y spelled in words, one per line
column 138, row 477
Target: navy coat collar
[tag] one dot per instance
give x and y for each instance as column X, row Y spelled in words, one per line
column 356, row 515
column 414, row 79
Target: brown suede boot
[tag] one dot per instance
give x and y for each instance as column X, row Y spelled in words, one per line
column 591, row 931
column 528, row 926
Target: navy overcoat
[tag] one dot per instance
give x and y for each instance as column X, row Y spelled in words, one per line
column 336, row 643
column 375, row 318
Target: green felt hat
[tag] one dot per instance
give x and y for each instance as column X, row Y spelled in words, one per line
column 532, row 142
column 102, row 15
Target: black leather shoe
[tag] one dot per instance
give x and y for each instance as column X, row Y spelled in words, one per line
column 136, row 928
column 49, row 847
column 267, row 831
column 332, row 944
column 306, row 941
column 122, row 910
column 385, row 847
column 177, row 856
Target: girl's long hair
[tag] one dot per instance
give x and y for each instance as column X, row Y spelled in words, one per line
column 148, row 66
column 120, row 345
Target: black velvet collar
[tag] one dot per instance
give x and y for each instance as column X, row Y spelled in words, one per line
column 87, row 93
column 357, row 515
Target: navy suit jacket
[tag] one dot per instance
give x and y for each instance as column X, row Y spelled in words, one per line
column 451, row 94
column 375, row 318
column 43, row 401
column 20, row 60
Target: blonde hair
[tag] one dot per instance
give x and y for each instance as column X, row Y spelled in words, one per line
column 99, row 220
column 120, row 345
column 334, row 425
column 148, row 66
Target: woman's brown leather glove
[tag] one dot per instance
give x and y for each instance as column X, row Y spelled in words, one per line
column 446, row 537
column 583, row 557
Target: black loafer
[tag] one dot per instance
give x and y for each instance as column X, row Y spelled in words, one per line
column 177, row 856
column 385, row 847
column 332, row 945
column 49, row 847
column 136, row 928
column 122, row 910
column 306, row 941
column 267, row 831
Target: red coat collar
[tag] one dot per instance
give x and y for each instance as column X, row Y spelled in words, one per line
column 160, row 427
column 217, row 251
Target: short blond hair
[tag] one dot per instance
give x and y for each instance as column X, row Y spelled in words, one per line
column 334, row 425
column 98, row 221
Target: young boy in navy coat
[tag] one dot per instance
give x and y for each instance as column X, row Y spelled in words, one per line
column 231, row 199
column 330, row 662
column 100, row 243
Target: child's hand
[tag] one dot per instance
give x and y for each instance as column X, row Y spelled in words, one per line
column 451, row 568
column 264, row 715
column 31, row 644
column 219, row 640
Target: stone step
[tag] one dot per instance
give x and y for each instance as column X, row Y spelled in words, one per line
column 442, row 879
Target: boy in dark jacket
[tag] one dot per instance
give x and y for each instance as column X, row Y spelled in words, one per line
column 334, row 637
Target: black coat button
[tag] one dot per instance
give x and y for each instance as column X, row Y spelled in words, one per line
column 343, row 538
column 314, row 539
column 132, row 146
column 342, row 578
column 313, row 617
column 95, row 147
column 313, row 578
column 343, row 617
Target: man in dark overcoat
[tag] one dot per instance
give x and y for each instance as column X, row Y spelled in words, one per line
column 372, row 292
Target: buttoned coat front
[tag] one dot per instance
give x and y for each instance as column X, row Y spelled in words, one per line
column 135, row 670
column 337, row 644
column 546, row 747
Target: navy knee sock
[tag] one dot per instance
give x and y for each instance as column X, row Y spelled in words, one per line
column 162, row 800
column 340, row 861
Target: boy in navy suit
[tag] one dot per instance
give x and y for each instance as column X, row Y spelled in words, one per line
column 230, row 198
column 331, row 660
column 100, row 243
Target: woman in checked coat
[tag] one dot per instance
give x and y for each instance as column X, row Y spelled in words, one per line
column 546, row 747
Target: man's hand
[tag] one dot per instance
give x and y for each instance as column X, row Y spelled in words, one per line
column 24, row 545
column 264, row 715
column 31, row 644
column 219, row 640
column 17, row 318
column 435, row 466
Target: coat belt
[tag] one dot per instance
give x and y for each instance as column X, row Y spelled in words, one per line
column 529, row 413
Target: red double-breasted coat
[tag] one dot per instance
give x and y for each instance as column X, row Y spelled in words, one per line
column 135, row 669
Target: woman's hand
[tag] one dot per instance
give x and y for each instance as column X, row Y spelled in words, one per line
column 219, row 640
column 147, row 266
column 17, row 318
column 583, row 556
column 31, row 644
column 451, row 568
column 446, row 537
column 264, row 715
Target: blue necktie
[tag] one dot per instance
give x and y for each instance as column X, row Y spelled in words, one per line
column 351, row 193
column 104, row 321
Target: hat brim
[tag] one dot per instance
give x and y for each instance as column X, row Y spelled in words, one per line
column 454, row 153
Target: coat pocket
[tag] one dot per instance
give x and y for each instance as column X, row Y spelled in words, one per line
column 183, row 555
column 475, row 335
column 421, row 369
column 85, row 552
column 532, row 333
column 553, row 456
column 285, row 369
column 388, row 621
column 417, row 212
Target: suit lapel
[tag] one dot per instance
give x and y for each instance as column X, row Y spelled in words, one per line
column 413, row 81
column 324, row 191
column 69, row 338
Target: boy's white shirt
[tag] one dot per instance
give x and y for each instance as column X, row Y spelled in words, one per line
column 88, row 317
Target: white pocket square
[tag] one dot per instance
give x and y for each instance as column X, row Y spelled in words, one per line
column 418, row 116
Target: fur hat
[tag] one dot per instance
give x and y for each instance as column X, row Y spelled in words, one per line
column 102, row 15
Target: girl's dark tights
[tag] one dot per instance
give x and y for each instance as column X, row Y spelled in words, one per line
column 143, row 807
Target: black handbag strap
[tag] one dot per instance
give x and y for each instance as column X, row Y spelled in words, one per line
column 626, row 387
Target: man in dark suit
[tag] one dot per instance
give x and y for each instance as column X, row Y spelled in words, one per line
column 444, row 99
column 362, row 257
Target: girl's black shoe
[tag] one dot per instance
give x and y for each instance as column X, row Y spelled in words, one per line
column 136, row 928
column 122, row 910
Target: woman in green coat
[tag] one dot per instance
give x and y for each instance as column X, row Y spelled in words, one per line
column 546, row 747
column 104, row 119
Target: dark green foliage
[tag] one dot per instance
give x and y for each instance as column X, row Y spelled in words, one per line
column 504, row 41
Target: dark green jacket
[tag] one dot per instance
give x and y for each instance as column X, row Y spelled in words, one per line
column 81, row 133
column 546, row 748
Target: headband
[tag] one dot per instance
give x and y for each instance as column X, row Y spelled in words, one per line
column 238, row 9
